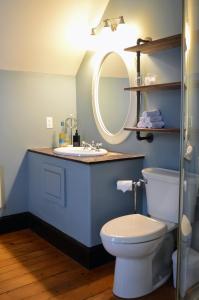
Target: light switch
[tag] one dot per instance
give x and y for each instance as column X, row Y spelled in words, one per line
column 49, row 122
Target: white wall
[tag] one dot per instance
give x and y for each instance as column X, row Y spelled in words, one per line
column 48, row 36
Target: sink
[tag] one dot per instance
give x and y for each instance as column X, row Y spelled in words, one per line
column 79, row 151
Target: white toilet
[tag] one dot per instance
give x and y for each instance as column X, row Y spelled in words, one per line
column 143, row 245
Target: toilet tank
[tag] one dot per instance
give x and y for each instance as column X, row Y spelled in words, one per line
column 162, row 191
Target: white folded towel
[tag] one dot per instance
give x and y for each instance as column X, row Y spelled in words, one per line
column 151, row 119
column 154, row 119
column 141, row 124
column 155, row 124
column 152, row 113
column 124, row 185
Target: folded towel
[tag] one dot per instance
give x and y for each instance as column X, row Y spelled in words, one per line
column 152, row 113
column 155, row 124
column 141, row 124
column 154, row 119
column 142, row 119
column 151, row 119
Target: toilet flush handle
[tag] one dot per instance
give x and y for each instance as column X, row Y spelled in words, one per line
column 141, row 181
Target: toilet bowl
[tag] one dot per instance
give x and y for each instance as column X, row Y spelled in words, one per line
column 143, row 245
column 134, row 240
column 189, row 267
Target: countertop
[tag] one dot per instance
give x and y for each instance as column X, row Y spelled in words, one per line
column 110, row 156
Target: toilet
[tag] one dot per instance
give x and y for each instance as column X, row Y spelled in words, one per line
column 143, row 246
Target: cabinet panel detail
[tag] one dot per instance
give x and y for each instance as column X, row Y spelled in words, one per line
column 53, row 184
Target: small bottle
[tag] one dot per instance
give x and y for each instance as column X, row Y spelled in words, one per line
column 62, row 136
column 76, row 139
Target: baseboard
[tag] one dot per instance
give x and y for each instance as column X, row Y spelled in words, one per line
column 14, row 222
column 89, row 257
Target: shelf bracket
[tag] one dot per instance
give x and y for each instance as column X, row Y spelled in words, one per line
column 149, row 136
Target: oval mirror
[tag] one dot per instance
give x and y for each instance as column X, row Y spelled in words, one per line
column 113, row 107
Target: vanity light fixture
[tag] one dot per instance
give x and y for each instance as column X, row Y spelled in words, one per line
column 108, row 23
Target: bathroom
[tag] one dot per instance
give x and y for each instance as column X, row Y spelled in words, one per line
column 46, row 70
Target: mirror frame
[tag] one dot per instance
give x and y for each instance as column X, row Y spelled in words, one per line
column 131, row 117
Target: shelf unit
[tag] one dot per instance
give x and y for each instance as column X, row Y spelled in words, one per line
column 160, row 86
column 162, row 130
column 149, row 47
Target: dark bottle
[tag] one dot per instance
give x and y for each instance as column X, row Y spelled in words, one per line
column 76, row 139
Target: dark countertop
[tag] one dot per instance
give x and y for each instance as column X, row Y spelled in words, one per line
column 110, row 156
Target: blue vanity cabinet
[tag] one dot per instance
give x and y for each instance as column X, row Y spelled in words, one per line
column 78, row 198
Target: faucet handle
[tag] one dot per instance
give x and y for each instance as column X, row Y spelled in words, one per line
column 98, row 145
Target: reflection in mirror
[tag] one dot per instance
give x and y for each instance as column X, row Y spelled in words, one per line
column 113, row 100
column 113, row 109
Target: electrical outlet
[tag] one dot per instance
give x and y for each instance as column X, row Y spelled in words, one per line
column 49, row 122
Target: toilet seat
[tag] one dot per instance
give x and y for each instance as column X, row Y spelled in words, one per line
column 133, row 229
column 170, row 225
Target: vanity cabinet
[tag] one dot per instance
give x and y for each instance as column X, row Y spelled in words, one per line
column 78, row 197
column 150, row 47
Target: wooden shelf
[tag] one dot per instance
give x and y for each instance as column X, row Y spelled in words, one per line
column 157, row 45
column 163, row 130
column 161, row 86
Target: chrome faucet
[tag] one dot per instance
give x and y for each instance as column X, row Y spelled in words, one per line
column 93, row 146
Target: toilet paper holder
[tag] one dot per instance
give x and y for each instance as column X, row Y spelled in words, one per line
column 130, row 185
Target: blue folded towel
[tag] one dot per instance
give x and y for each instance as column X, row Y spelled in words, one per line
column 151, row 119
column 154, row 119
column 159, row 124
column 152, row 113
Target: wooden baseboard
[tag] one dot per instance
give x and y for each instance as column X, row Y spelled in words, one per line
column 14, row 222
column 89, row 257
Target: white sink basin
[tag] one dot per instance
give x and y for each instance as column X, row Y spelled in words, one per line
column 79, row 151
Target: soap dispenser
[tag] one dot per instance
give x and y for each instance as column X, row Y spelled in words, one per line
column 76, row 139
column 62, row 136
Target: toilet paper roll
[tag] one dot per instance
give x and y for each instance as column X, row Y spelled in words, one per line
column 124, row 185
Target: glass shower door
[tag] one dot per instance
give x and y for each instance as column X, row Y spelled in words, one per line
column 188, row 247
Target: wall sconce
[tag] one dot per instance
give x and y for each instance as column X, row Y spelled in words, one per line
column 108, row 23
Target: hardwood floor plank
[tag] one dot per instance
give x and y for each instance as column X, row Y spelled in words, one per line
column 25, row 257
column 80, row 287
column 76, row 293
column 47, row 284
column 166, row 292
column 20, row 269
column 31, row 277
column 86, row 290
column 15, row 243
column 105, row 295
column 32, row 269
column 11, row 236
column 30, row 261
column 14, row 251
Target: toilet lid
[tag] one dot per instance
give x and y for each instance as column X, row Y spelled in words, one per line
column 132, row 229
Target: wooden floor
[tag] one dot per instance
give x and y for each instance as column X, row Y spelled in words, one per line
column 30, row 268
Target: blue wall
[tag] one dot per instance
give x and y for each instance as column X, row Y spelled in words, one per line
column 25, row 101
column 27, row 98
column 155, row 18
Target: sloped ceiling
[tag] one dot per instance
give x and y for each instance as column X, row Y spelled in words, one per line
column 48, row 36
